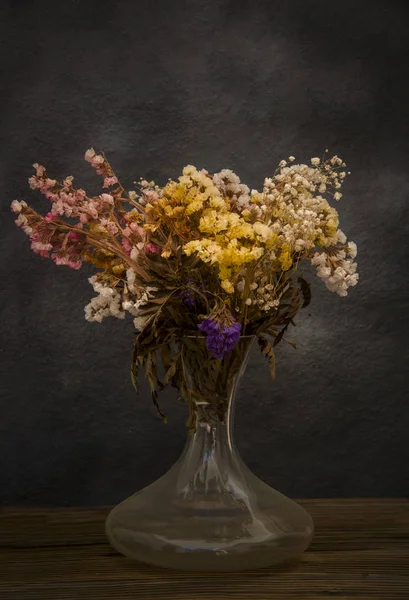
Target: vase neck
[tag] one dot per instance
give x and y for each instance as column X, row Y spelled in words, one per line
column 212, row 383
column 210, row 436
column 214, row 423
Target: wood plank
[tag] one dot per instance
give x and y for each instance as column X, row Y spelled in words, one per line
column 360, row 550
column 314, row 587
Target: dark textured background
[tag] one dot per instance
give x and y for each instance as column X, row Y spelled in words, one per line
column 217, row 84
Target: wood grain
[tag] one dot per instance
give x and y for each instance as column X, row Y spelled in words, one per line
column 360, row 551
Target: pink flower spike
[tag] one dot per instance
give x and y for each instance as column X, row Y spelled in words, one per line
column 49, row 216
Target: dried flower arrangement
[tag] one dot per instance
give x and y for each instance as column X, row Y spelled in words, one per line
column 203, row 257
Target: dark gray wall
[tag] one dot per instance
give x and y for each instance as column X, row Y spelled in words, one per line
column 217, row 84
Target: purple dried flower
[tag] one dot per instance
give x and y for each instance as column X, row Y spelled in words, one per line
column 220, row 339
column 188, row 295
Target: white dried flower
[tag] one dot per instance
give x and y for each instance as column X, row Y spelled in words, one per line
column 240, row 285
column 17, row 206
column 106, row 304
column 341, row 237
column 140, row 322
column 352, row 249
column 337, row 279
column 319, row 258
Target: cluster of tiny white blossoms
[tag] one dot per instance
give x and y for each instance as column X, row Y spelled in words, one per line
column 106, row 304
column 110, row 303
column 149, row 192
column 338, row 269
column 295, row 209
column 241, row 198
column 299, row 208
column 263, row 295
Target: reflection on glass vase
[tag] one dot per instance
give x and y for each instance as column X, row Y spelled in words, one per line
column 209, row 512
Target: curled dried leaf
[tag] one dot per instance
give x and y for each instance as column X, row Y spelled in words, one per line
column 268, row 352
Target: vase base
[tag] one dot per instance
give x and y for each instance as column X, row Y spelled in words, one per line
column 197, row 544
column 213, row 561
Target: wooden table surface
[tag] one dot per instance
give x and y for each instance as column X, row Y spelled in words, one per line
column 360, row 550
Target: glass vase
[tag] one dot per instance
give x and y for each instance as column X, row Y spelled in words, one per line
column 209, row 512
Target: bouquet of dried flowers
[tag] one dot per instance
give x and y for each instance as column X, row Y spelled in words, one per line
column 201, row 258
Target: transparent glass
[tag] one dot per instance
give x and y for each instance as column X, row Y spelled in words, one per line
column 209, row 512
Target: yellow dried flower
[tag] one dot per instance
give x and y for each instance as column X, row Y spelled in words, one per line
column 227, row 286
column 285, row 260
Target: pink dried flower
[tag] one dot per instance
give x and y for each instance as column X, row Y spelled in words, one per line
column 69, row 261
column 89, row 155
column 135, row 229
column 43, row 249
column 80, row 195
column 40, row 170
column 49, row 183
column 17, row 206
column 126, row 245
column 152, row 248
column 22, row 222
column 95, row 160
column 107, row 199
column 34, row 183
column 92, row 211
column 108, row 181
column 49, row 195
column 110, row 226
column 150, row 196
column 68, row 181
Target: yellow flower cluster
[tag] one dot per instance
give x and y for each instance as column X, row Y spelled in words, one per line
column 230, row 242
column 193, row 190
column 194, row 208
